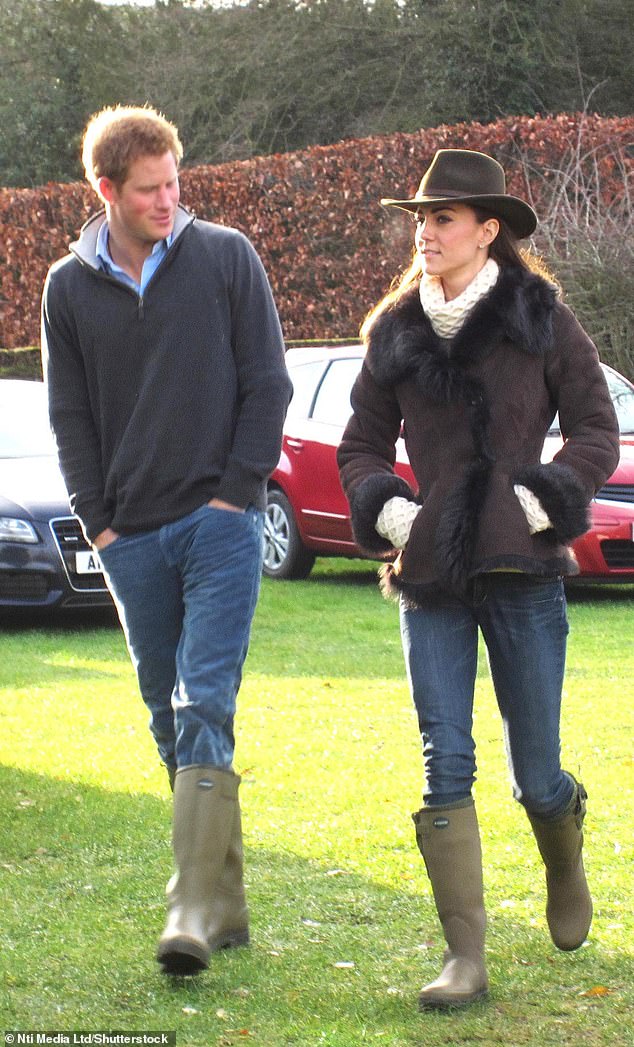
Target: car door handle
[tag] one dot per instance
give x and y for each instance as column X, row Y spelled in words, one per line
column 295, row 445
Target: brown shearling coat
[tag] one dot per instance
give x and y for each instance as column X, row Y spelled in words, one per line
column 475, row 411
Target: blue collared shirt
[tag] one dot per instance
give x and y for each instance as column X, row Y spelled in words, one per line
column 150, row 264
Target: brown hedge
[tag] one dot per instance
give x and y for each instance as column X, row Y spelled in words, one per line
column 313, row 215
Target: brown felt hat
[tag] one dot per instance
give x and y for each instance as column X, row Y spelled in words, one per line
column 464, row 176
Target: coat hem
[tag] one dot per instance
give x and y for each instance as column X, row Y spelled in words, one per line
column 421, row 594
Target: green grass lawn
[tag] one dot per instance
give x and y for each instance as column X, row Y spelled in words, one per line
column 343, row 926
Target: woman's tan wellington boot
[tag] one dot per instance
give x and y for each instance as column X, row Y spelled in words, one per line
column 449, row 841
column 201, row 895
column 560, row 842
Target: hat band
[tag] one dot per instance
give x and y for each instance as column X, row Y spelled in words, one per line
column 455, row 193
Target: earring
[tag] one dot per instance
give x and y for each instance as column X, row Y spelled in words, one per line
column 482, row 246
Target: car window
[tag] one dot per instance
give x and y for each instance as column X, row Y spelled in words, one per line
column 24, row 427
column 332, row 406
column 622, row 395
column 304, row 378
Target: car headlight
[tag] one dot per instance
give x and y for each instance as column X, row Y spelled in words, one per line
column 12, row 530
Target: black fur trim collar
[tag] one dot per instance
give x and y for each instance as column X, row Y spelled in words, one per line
column 402, row 343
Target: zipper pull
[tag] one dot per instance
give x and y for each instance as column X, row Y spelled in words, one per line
column 140, row 312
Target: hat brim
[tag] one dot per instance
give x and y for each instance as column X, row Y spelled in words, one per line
column 516, row 213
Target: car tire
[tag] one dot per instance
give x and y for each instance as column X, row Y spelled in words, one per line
column 285, row 555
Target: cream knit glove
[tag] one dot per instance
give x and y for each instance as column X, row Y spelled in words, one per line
column 533, row 509
column 395, row 520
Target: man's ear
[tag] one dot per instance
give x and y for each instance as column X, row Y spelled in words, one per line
column 107, row 190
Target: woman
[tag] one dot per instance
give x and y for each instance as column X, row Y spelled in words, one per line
column 471, row 356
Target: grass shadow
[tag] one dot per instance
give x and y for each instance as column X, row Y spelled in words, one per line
column 82, row 875
column 588, row 592
column 21, row 619
column 337, row 571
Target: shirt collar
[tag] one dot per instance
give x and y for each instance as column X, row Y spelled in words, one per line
column 103, row 250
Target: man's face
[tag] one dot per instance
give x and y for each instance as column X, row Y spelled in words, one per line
column 143, row 209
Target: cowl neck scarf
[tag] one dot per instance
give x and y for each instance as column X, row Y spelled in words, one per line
column 445, row 317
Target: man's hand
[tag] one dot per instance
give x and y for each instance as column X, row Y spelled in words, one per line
column 105, row 538
column 217, row 503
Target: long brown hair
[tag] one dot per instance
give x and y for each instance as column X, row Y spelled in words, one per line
column 504, row 250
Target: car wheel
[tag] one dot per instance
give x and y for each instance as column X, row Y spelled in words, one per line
column 285, row 555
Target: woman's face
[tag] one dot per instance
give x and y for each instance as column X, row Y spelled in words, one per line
column 452, row 243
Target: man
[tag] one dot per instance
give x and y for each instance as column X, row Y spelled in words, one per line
column 167, row 386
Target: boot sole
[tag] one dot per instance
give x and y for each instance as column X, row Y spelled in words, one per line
column 183, row 958
column 439, row 1004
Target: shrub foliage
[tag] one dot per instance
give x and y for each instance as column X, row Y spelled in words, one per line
column 331, row 250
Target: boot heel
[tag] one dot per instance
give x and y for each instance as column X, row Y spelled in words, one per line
column 229, row 940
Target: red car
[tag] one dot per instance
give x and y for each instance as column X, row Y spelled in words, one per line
column 308, row 514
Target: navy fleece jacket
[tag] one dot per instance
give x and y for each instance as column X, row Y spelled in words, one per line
column 163, row 401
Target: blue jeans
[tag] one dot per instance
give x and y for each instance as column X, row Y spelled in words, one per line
column 524, row 625
column 186, row 596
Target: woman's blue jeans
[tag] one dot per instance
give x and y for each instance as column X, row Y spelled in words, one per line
column 186, row 596
column 524, row 625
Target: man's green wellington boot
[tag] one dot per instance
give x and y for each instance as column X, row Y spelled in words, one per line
column 206, row 904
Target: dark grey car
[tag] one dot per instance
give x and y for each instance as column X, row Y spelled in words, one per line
column 45, row 561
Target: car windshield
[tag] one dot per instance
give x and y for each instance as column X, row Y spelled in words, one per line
column 24, row 427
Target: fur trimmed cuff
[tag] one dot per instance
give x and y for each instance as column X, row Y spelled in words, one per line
column 562, row 496
column 366, row 502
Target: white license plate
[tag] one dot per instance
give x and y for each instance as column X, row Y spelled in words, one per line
column 88, row 563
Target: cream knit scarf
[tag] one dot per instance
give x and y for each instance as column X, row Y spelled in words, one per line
column 447, row 318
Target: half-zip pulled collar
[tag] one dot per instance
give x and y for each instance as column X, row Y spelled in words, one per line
column 85, row 247
column 151, row 262
column 85, row 250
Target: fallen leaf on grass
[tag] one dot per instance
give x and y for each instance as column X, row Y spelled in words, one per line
column 190, row 1010
column 597, row 990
